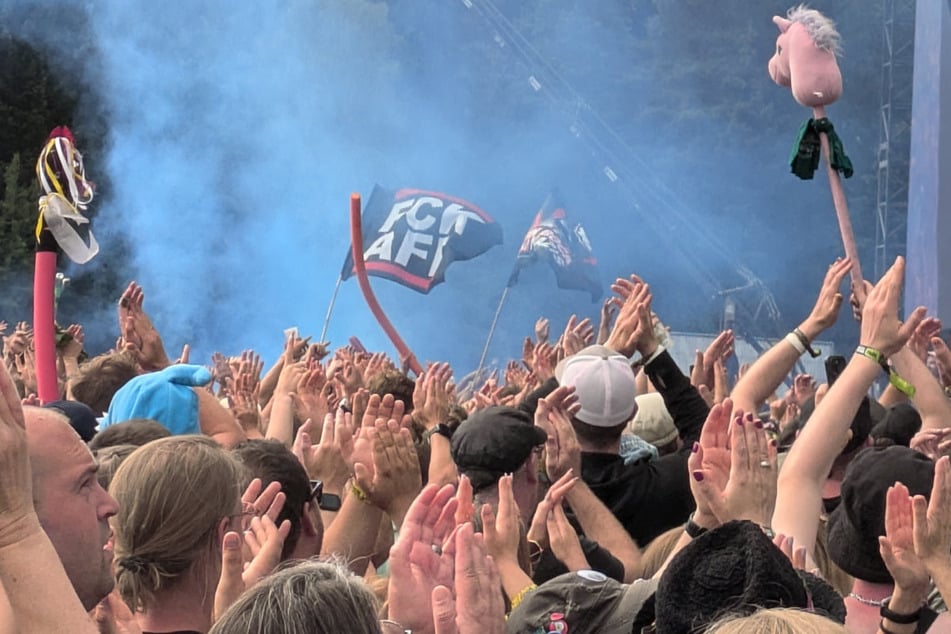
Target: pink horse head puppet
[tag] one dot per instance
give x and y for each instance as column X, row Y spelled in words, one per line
column 805, row 62
column 805, row 58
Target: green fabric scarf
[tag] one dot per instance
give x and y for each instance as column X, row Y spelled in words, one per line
column 804, row 158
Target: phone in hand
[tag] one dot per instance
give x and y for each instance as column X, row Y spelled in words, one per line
column 835, row 363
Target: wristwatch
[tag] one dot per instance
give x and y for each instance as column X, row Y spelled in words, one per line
column 441, row 429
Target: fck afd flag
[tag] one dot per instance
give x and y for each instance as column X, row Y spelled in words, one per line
column 564, row 246
column 411, row 236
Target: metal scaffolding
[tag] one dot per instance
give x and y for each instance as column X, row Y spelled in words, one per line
column 898, row 52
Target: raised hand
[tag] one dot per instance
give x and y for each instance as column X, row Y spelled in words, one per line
column 932, row 520
column 538, row 531
column 881, row 328
column 920, row 341
column 72, row 345
column 313, row 394
column 501, row 529
column 478, row 607
column 541, row 330
column 433, row 395
column 17, row 516
column 330, row 461
column 942, row 357
column 141, row 336
column 395, row 478
column 633, row 331
column 608, row 311
column 750, row 490
column 565, row 544
column 897, row 546
column 933, row 443
column 421, row 558
column 577, row 335
column 553, row 414
column 825, row 312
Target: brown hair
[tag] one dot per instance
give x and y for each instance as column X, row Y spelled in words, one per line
column 136, row 431
column 172, row 495
column 396, row 383
column 97, row 380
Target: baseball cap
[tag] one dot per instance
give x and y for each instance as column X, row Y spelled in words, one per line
column 653, row 422
column 604, row 383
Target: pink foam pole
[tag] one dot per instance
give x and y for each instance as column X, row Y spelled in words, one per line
column 44, row 335
column 842, row 213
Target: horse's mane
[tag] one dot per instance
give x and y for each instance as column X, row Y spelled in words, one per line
column 820, row 28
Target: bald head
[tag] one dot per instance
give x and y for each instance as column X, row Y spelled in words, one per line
column 72, row 507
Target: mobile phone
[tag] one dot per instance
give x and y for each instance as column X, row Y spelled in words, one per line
column 835, row 363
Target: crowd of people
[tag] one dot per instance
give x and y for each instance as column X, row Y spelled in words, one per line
column 591, row 485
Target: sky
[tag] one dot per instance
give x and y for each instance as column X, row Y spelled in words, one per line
column 237, row 132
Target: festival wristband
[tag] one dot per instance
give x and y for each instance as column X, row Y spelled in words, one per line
column 805, row 343
column 899, row 383
column 794, row 341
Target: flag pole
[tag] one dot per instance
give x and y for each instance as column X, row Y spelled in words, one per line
column 495, row 320
column 356, row 240
column 330, row 310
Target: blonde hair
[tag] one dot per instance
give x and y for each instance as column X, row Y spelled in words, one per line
column 172, row 495
column 777, row 621
column 658, row 550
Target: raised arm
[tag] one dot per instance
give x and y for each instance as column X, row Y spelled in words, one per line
column 768, row 372
column 30, row 569
column 799, row 496
column 929, row 398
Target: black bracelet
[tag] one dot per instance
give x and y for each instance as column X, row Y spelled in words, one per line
column 693, row 529
column 805, row 343
column 895, row 617
column 885, row 630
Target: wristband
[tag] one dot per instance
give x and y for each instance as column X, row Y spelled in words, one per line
column 885, row 630
column 895, row 617
column 896, row 381
column 693, row 529
column 805, row 343
column 359, row 493
column 394, row 624
column 793, row 340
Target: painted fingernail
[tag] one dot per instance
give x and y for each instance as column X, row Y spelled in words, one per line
column 749, row 417
column 696, row 447
column 772, row 443
column 758, row 423
column 698, row 476
column 739, row 421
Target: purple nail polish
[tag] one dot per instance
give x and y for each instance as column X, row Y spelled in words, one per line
column 758, row 423
column 772, row 443
column 749, row 417
column 739, row 421
column 696, row 447
column 698, row 476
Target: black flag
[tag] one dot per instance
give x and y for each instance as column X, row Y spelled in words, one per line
column 411, row 236
column 566, row 248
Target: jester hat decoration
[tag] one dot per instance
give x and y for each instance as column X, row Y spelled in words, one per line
column 66, row 194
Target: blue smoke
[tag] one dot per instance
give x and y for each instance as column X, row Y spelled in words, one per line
column 237, row 132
